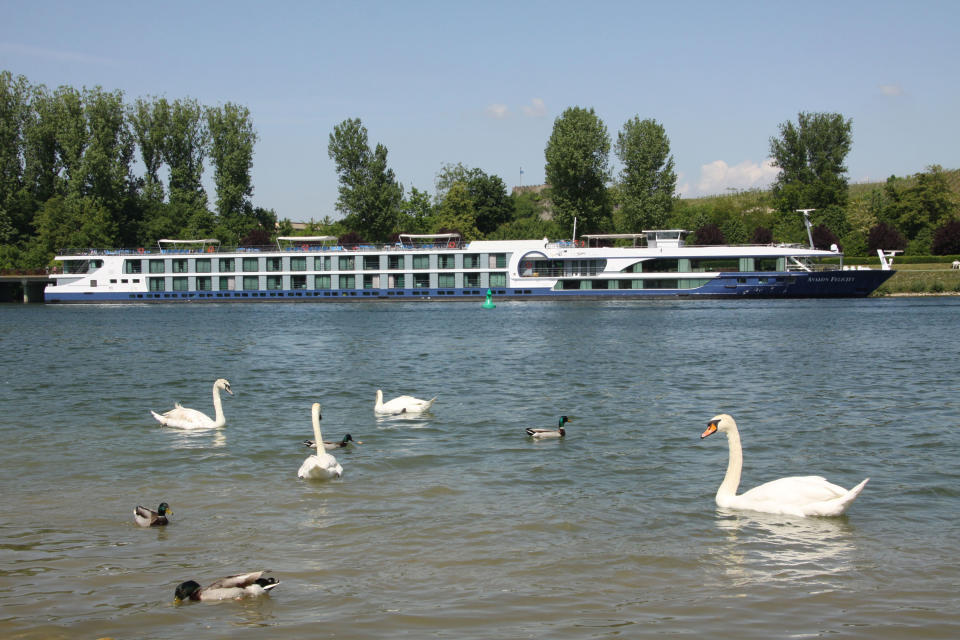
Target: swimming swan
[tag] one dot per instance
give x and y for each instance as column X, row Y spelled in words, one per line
column 796, row 495
column 150, row 518
column 402, row 404
column 231, row 587
column 184, row 418
column 559, row 432
column 320, row 465
column 330, row 446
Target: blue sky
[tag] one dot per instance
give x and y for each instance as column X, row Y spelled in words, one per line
column 481, row 83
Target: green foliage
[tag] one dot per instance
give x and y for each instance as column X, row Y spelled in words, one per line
column 577, row 156
column 810, row 155
column 457, row 212
column 232, row 139
column 370, row 195
column 415, row 212
column 491, row 204
column 647, row 180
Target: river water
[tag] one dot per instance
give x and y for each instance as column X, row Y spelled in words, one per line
column 454, row 525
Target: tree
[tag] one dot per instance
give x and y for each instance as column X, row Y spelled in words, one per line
column 823, row 237
column 491, row 203
column 14, row 110
column 923, row 205
column 149, row 121
column 457, row 212
column 761, row 235
column 709, row 234
column 370, row 195
column 577, row 156
column 946, row 239
column 231, row 150
column 810, row 155
column 647, row 180
column 415, row 212
column 184, row 149
column 883, row 236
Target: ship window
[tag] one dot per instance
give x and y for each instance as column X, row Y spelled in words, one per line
column 662, row 265
column 347, row 282
column 421, row 280
column 251, row 264
column 498, row 279
column 228, row 283
column 274, row 264
column 203, row 265
column 298, row 263
column 132, row 266
column 446, row 262
column 421, row 262
column 180, row 284
column 179, row 265
column 395, row 281
column 715, row 264
column 471, row 279
column 204, row 283
column 394, row 262
column 371, row 282
column 471, row 261
column 156, row 284
column 298, row 282
column 666, row 283
column 765, row 264
column 371, row 263
column 227, row 264
column 446, row 279
column 274, row 282
column 498, row 260
column 156, row 266
column 251, row 283
column 321, row 282
column 346, row 263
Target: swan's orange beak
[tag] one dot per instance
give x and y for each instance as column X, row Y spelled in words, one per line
column 711, row 429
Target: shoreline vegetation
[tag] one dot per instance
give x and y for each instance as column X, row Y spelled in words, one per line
column 929, row 279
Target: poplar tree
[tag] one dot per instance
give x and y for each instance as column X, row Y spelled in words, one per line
column 647, row 180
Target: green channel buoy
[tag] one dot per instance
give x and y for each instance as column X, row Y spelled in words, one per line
column 488, row 303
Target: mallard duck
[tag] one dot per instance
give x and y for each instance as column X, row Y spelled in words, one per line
column 231, row 587
column 796, row 495
column 320, row 465
column 150, row 518
column 402, row 404
column 330, row 446
column 184, row 418
column 559, row 432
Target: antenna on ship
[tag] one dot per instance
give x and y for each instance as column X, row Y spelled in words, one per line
column 574, row 228
column 806, row 222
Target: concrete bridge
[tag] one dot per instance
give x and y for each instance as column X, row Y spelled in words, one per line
column 23, row 288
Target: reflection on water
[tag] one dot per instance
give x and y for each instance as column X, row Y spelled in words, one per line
column 199, row 439
column 767, row 548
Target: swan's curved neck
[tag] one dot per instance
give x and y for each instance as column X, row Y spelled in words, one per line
column 219, row 418
column 379, row 399
column 734, row 466
column 318, row 437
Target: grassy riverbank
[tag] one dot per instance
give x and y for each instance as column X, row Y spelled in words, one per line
column 930, row 278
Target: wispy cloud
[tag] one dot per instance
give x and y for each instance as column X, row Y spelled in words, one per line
column 497, row 111
column 717, row 176
column 891, row 90
column 58, row 55
column 536, row 108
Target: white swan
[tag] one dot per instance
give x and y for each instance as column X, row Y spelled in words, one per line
column 184, row 418
column 321, row 465
column 796, row 495
column 402, row 404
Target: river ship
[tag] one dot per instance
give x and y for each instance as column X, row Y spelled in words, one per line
column 651, row 264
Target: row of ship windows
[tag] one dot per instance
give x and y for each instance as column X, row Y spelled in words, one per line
column 319, row 263
column 252, row 283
